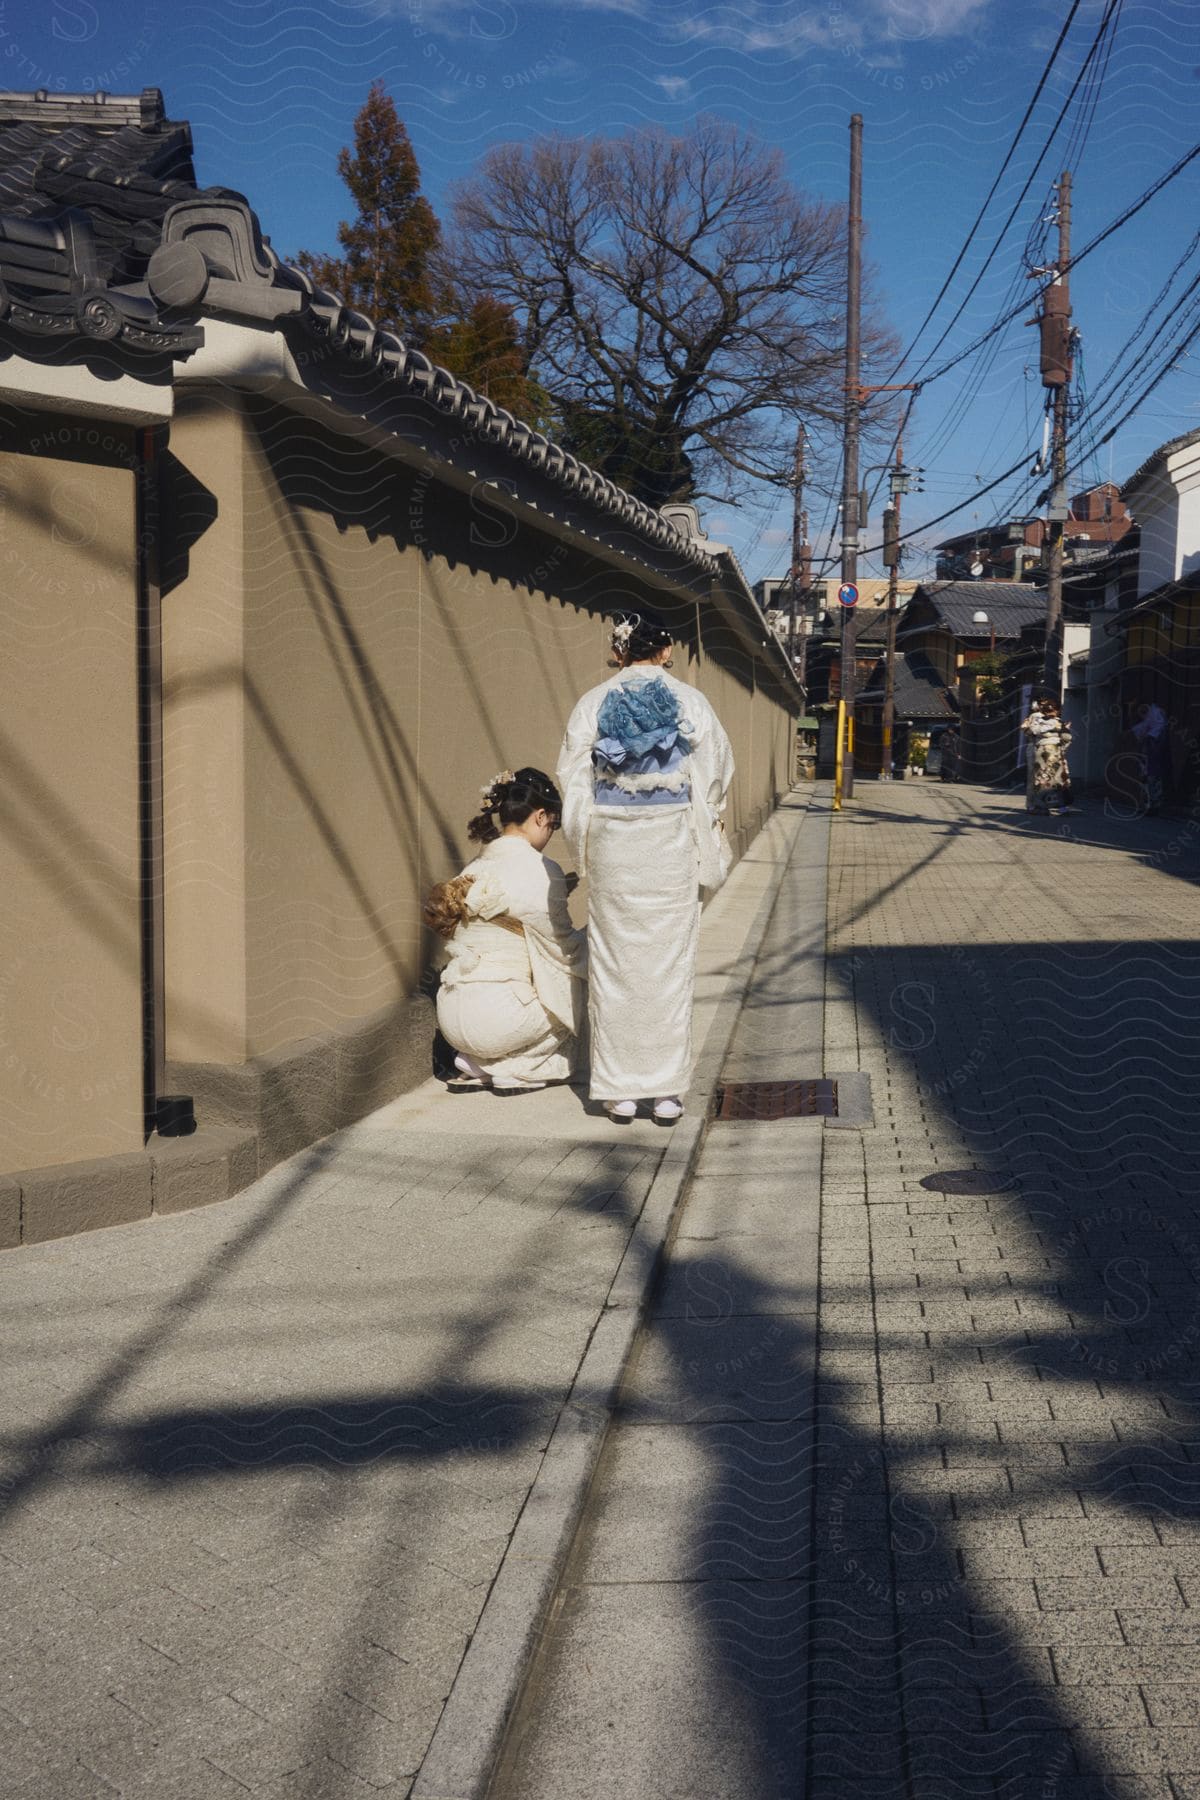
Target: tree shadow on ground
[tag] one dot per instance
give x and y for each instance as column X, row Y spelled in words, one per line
column 1170, row 844
column 1051, row 1329
column 361, row 1524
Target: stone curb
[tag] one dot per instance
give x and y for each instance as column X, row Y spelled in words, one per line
column 855, row 1110
column 463, row 1754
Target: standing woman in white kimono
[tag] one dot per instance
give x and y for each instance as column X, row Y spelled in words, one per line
column 510, row 1001
column 645, row 768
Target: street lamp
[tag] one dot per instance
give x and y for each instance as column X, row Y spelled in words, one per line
column 981, row 618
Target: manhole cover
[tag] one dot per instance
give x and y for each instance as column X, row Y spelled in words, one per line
column 766, row 1100
column 967, row 1181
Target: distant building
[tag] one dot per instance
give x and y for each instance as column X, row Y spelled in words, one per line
column 1012, row 550
column 943, row 622
column 1160, row 618
column 819, row 620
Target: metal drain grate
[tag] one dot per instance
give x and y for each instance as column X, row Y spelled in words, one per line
column 766, row 1100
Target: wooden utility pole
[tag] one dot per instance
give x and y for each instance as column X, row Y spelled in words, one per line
column 891, row 557
column 800, row 574
column 1057, row 359
column 850, row 520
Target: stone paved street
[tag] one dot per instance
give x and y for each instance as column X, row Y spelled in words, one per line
column 970, row 1564
column 260, row 1462
column 1008, row 1499
column 903, row 1497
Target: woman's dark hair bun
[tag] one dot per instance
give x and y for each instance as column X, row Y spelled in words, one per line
column 510, row 799
column 639, row 635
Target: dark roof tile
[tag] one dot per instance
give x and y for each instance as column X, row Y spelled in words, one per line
column 919, row 692
column 1010, row 606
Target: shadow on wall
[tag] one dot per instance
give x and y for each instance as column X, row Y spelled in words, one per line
column 188, row 510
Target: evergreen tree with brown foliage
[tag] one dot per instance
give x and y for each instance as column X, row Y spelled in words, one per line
column 384, row 271
column 480, row 341
column 389, row 269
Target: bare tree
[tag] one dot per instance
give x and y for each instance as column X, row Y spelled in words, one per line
column 680, row 301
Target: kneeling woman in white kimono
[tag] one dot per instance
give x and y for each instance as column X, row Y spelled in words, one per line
column 645, row 768
column 511, row 995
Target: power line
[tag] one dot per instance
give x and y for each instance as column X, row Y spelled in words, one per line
column 1096, row 442
column 1151, row 309
column 967, row 242
column 1094, row 244
column 945, row 430
column 1107, row 23
column 1012, row 311
column 1094, row 68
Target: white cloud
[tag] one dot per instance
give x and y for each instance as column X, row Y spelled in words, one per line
column 747, row 25
column 754, row 25
column 673, row 86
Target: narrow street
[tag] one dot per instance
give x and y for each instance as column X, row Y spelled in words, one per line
column 970, row 1567
column 900, row 1498
column 1007, row 1501
column 600, row 951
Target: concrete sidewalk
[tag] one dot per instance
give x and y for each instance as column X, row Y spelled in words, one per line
column 263, row 1462
column 677, row 1663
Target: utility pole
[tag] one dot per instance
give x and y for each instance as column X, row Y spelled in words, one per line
column 800, row 574
column 850, row 520
column 891, row 557
column 1057, row 349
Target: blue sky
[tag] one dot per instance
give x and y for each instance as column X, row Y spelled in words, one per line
column 271, row 88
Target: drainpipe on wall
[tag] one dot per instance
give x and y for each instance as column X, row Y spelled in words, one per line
column 171, row 1115
column 149, row 692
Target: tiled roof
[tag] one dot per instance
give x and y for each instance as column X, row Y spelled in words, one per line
column 85, row 185
column 919, row 691
column 104, row 234
column 1009, row 605
column 870, row 623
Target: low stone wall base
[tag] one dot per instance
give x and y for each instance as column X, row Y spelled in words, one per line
column 249, row 1117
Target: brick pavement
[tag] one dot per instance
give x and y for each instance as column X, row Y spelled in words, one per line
column 1007, row 1508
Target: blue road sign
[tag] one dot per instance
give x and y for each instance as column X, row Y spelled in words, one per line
column 848, row 594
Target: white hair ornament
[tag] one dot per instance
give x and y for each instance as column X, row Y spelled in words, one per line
column 489, row 791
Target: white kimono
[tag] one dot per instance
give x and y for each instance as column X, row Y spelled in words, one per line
column 645, row 863
column 514, row 1002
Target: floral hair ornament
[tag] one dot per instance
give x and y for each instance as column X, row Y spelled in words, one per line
column 490, row 798
column 622, row 632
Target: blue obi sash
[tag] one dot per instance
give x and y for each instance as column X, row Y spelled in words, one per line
column 641, row 752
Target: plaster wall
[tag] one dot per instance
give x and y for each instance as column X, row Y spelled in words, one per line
column 355, row 650
column 1184, row 469
column 70, row 943
column 1167, row 508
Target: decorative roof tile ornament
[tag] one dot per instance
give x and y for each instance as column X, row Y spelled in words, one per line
column 100, row 216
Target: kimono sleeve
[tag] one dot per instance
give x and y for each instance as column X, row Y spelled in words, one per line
column 576, row 779
column 570, row 938
column 712, row 754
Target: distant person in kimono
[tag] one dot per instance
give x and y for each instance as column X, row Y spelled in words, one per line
column 512, row 990
column 1049, row 785
column 645, row 769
